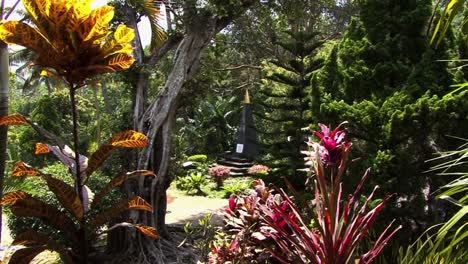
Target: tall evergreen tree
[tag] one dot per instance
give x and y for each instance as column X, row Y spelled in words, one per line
column 384, row 78
column 284, row 105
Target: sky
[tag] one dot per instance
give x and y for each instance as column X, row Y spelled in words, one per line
column 143, row 26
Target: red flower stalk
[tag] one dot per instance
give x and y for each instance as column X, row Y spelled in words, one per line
column 333, row 143
column 339, row 226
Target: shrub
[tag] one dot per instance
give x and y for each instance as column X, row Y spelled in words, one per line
column 192, row 182
column 242, row 223
column 259, row 170
column 201, row 236
column 238, row 188
column 219, row 173
column 224, row 252
column 198, row 158
column 196, row 173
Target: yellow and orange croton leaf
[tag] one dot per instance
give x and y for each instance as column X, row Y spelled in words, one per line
column 50, row 215
column 41, row 148
column 118, row 62
column 15, row 32
column 72, row 38
column 29, row 238
column 15, row 119
column 98, row 157
column 13, row 197
column 125, row 139
column 95, row 26
column 147, row 231
column 120, row 42
column 23, row 169
column 66, row 195
column 136, row 203
column 129, row 139
column 139, row 204
column 26, row 255
column 118, row 181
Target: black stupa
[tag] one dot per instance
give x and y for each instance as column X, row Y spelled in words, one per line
column 246, row 148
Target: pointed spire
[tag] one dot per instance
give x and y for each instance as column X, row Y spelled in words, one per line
column 247, row 97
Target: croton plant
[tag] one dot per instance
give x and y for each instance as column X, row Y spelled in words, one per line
column 73, row 42
column 73, row 217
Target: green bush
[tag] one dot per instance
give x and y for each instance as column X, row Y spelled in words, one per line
column 192, row 182
column 198, row 158
column 238, row 188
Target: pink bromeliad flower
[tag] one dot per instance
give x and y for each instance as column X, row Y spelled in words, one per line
column 332, row 143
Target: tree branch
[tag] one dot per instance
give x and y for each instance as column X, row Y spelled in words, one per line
column 168, row 45
column 241, row 67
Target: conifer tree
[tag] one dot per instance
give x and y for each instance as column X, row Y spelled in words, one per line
column 284, row 101
column 386, row 81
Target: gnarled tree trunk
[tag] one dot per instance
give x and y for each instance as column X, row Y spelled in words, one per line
column 157, row 122
column 158, row 119
column 4, row 92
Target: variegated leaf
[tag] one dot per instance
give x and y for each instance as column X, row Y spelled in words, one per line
column 30, row 238
column 33, row 238
column 15, row 119
column 148, row 231
column 98, row 157
column 26, row 255
column 124, row 34
column 41, row 148
column 32, row 207
column 66, row 195
column 57, row 11
column 13, row 197
column 129, row 139
column 125, row 139
column 136, row 203
column 35, row 8
column 16, row 32
column 139, row 203
column 119, row 61
column 95, row 26
column 23, row 169
column 118, row 181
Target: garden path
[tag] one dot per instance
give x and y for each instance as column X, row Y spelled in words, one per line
column 181, row 208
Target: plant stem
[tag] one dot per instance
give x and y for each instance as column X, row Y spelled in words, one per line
column 78, row 179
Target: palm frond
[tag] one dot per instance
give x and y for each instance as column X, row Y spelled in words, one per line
column 151, row 9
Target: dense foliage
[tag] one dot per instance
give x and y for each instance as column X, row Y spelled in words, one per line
column 372, row 64
column 387, row 83
column 86, row 47
column 267, row 224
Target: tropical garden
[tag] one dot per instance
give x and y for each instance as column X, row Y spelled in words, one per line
column 335, row 131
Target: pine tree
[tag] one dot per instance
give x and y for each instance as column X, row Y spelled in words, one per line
column 386, row 81
column 284, row 101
